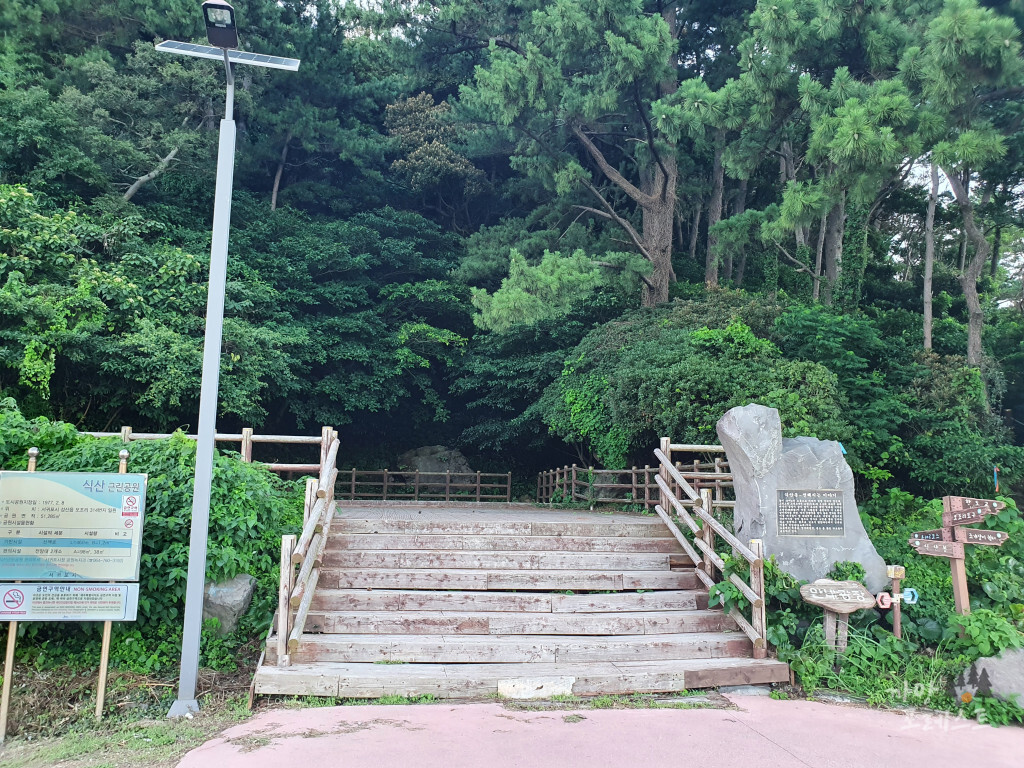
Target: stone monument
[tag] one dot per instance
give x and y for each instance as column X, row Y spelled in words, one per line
column 796, row 495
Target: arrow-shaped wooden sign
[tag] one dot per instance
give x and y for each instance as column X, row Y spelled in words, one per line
column 951, row 549
column 935, row 534
column 961, row 510
column 981, row 536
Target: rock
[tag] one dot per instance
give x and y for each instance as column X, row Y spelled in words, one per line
column 1000, row 677
column 228, row 601
column 746, row 690
column 818, row 529
column 524, row 688
column 435, row 459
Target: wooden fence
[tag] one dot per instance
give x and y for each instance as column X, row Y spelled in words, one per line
column 636, row 485
column 425, row 486
column 679, row 501
column 302, row 557
column 246, row 439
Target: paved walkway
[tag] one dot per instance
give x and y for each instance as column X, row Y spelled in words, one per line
column 762, row 732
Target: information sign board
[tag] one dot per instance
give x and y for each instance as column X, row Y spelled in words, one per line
column 69, row 602
column 71, row 526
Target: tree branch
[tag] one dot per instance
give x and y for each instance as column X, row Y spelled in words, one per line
column 650, row 139
column 801, row 267
column 611, row 214
column 160, row 168
column 640, row 198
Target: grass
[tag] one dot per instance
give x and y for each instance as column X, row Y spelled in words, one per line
column 123, row 742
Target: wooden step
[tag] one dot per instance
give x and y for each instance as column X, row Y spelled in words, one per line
column 362, row 680
column 420, row 578
column 635, row 527
column 530, row 602
column 379, row 541
column 526, row 561
column 451, row 649
column 468, row 623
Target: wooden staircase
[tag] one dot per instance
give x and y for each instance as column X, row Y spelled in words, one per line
column 470, row 601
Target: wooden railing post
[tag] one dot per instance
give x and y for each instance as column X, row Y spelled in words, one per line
column 447, row 485
column 416, row 486
column 384, row 485
column 572, row 485
column 246, row 449
column 758, row 616
column 283, row 599
column 666, row 448
column 126, row 434
column 478, row 486
column 508, row 487
column 647, row 486
column 707, row 531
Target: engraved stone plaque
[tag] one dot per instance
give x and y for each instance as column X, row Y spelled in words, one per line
column 810, row 513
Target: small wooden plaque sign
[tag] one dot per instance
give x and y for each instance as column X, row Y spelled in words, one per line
column 837, row 596
column 960, row 510
column 951, row 549
column 935, row 534
column 981, row 536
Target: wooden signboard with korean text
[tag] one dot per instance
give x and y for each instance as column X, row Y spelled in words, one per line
column 950, row 540
column 839, row 599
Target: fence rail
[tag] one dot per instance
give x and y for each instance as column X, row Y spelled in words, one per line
column 384, row 484
column 636, row 485
column 246, row 439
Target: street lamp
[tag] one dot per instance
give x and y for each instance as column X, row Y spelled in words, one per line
column 223, row 35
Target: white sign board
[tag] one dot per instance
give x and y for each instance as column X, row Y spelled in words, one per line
column 71, row 526
column 69, row 602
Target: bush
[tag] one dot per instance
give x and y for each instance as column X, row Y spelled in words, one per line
column 250, row 509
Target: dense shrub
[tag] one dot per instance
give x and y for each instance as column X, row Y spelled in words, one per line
column 251, row 508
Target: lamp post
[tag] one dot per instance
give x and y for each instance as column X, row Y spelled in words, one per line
column 223, row 36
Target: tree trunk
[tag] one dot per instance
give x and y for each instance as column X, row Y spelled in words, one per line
column 818, row 256
column 738, row 207
column 658, row 218
column 972, row 270
column 996, row 245
column 695, row 231
column 714, row 213
column 833, row 255
column 280, row 171
column 929, row 255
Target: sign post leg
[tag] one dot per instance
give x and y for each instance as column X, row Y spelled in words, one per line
column 101, row 685
column 830, row 628
column 960, row 597
column 844, row 630
column 896, row 609
column 5, row 701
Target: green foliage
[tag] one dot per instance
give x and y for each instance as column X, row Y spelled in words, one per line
column 250, row 509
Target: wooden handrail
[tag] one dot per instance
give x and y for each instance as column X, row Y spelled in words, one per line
column 296, row 590
column 703, row 525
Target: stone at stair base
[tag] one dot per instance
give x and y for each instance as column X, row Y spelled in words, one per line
column 525, row 688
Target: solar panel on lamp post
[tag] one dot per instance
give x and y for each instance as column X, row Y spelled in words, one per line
column 223, row 35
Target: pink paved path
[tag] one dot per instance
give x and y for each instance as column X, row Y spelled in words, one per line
column 762, row 733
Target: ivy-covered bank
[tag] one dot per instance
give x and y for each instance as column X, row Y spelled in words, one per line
column 937, row 645
column 251, row 508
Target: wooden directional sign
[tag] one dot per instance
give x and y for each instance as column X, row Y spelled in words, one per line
column 935, row 534
column 837, row 596
column 960, row 510
column 951, row 549
column 981, row 536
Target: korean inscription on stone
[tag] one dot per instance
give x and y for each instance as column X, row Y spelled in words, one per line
column 810, row 513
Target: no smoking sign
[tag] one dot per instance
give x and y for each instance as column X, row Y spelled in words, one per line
column 13, row 599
